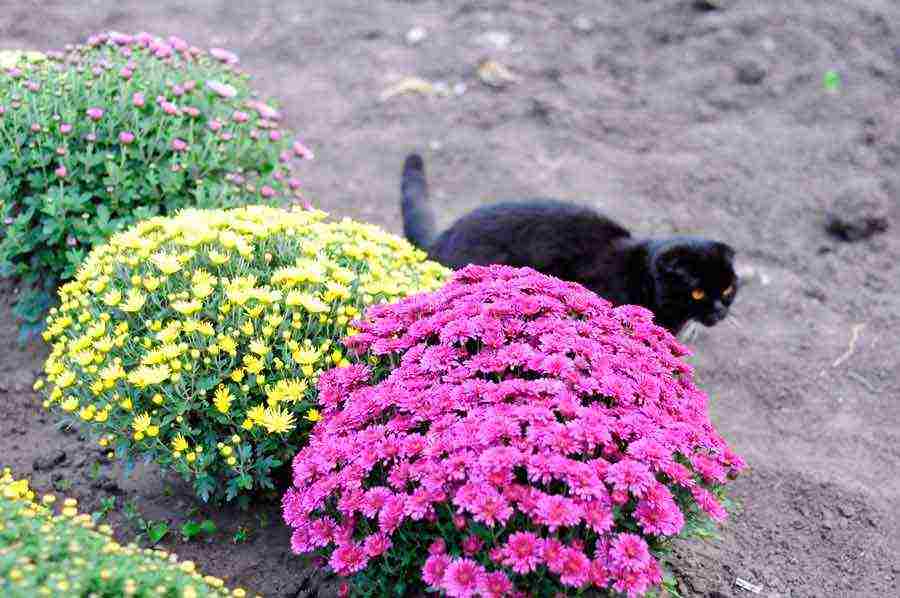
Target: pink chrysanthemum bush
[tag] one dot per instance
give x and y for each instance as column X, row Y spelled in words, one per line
column 119, row 129
column 515, row 435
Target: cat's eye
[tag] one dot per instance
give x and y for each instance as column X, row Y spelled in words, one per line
column 698, row 294
column 729, row 291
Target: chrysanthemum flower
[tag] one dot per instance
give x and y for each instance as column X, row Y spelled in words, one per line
column 519, row 405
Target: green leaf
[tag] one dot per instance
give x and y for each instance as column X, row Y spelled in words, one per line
column 208, row 527
column 157, row 531
column 190, row 530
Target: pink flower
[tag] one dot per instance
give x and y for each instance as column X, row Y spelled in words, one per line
column 169, row 108
column 121, row 39
column 576, row 568
column 95, row 114
column 267, row 191
column 179, row 145
column 630, row 475
column 223, row 55
column 125, row 73
column 494, row 585
column 376, row 545
column 438, row 547
column 240, row 117
column 523, row 552
column 471, row 545
column 275, row 135
column 629, row 551
column 222, row 89
column 348, row 559
column 137, row 99
column 264, row 110
column 215, row 124
column 461, row 578
column 301, row 151
column 294, row 183
column 126, row 137
column 434, row 569
column 35, row 128
column 61, row 172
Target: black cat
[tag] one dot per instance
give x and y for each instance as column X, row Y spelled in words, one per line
column 679, row 278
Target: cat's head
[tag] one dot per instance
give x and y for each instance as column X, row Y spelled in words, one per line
column 693, row 279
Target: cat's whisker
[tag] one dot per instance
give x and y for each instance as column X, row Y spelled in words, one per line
column 735, row 321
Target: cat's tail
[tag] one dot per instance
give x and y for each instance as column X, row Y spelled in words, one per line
column 418, row 221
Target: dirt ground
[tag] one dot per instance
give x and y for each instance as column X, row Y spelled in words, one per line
column 669, row 117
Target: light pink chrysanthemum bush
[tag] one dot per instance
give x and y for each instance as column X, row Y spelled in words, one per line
column 516, row 435
column 120, row 129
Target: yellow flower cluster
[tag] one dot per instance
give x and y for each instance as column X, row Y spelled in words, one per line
column 188, row 331
column 48, row 553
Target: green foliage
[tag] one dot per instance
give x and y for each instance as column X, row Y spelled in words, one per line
column 193, row 529
column 45, row 553
column 117, row 130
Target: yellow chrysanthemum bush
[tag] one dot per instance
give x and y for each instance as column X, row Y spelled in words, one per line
column 47, row 548
column 197, row 340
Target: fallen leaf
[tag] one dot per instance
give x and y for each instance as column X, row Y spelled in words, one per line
column 408, row 85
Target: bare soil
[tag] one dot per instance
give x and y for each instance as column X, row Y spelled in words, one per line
column 671, row 118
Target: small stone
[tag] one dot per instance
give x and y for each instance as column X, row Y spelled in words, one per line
column 435, row 145
column 748, row 274
column 107, row 485
column 495, row 74
column 750, row 72
column 855, row 228
column 460, row 88
column 499, row 40
column 708, row 5
column 416, row 35
column 583, row 24
column 846, row 511
column 49, row 461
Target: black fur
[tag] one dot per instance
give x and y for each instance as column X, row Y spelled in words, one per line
column 418, row 221
column 577, row 243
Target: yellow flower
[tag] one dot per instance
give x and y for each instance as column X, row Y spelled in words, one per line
column 286, row 390
column 141, row 422
column 65, row 380
column 166, row 262
column 70, row 405
column 133, row 302
column 144, row 376
column 306, row 357
column 313, row 415
column 187, row 307
column 256, row 414
column 179, row 443
column 259, row 347
column 253, row 364
column 112, row 298
column 222, row 399
column 217, row 258
column 202, row 284
column 237, row 375
column 277, row 421
column 151, row 283
column 227, row 344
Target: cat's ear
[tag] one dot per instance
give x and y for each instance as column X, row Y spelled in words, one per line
column 673, row 260
column 726, row 251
